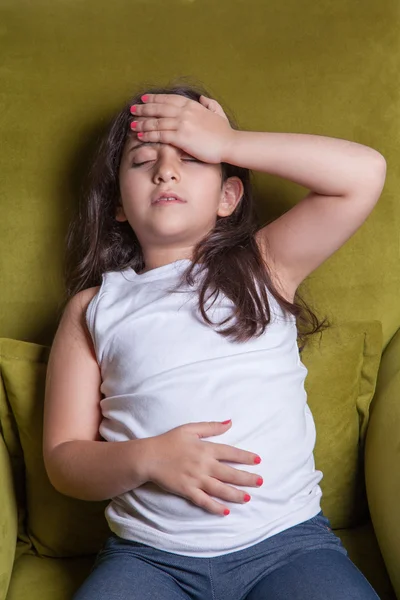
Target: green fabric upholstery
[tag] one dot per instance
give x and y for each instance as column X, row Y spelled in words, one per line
column 8, row 518
column 56, row 525
column 328, row 68
column 47, row 578
column 382, row 459
column 340, row 406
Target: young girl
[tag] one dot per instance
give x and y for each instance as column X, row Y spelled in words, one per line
column 178, row 347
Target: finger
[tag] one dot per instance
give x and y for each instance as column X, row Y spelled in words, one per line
column 237, row 476
column 213, row 105
column 213, row 487
column 164, row 136
column 208, row 102
column 152, row 110
column 233, row 454
column 204, row 501
column 154, row 125
column 174, row 99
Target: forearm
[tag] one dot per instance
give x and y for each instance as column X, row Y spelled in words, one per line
column 98, row 470
column 328, row 166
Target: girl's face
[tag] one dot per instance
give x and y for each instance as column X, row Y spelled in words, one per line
column 150, row 169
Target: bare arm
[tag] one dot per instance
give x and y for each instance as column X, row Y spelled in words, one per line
column 91, row 470
column 78, row 461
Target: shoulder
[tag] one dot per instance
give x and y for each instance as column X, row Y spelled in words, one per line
column 76, row 307
column 78, row 303
column 85, row 296
column 279, row 278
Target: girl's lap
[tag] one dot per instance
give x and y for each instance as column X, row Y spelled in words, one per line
column 305, row 561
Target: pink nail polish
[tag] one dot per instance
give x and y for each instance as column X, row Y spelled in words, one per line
column 134, row 124
column 226, row 511
column 140, row 135
column 133, row 109
column 257, row 460
column 247, row 497
column 145, row 98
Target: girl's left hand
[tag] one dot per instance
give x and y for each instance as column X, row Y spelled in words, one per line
column 200, row 129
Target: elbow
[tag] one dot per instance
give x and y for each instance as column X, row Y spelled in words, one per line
column 370, row 179
column 54, row 474
column 379, row 168
column 382, row 165
column 57, row 473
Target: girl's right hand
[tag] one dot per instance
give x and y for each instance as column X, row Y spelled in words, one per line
column 181, row 463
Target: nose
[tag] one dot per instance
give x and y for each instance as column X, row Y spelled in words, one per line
column 167, row 168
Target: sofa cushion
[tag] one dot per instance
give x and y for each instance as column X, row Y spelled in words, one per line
column 340, row 383
column 56, row 525
column 342, row 365
column 44, row 578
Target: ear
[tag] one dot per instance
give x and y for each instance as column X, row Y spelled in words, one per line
column 232, row 193
column 120, row 213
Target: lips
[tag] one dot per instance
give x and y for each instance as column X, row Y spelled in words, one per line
column 163, row 198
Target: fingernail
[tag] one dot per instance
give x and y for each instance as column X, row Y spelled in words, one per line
column 144, row 98
column 260, row 481
column 140, row 135
column 133, row 109
column 257, row 460
column 133, row 124
column 247, row 497
column 223, row 422
column 226, row 511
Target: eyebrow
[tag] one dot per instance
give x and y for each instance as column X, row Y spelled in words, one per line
column 141, row 144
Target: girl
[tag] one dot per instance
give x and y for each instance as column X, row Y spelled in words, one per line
column 165, row 252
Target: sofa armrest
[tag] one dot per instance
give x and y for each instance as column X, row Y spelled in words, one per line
column 382, row 460
column 8, row 520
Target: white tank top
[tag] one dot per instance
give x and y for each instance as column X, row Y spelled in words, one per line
column 162, row 366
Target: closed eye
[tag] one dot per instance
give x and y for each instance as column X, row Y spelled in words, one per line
column 134, row 165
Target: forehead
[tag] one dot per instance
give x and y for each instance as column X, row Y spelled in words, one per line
column 135, row 144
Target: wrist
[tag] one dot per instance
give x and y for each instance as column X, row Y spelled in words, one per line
column 145, row 459
column 231, row 141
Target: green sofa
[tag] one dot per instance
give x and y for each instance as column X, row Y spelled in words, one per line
column 327, row 68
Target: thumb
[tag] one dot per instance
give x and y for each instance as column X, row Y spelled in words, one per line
column 213, row 105
column 207, row 102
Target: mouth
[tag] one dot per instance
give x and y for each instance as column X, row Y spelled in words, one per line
column 167, row 198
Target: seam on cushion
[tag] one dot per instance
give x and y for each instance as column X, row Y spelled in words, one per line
column 10, row 414
column 364, row 382
column 17, row 460
column 361, row 384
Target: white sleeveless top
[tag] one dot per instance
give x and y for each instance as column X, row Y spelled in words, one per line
column 162, row 366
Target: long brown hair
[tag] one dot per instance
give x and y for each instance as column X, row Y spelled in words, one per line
column 229, row 255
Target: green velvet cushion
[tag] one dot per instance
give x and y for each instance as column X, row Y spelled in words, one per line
column 382, row 460
column 8, row 520
column 340, row 384
column 56, row 525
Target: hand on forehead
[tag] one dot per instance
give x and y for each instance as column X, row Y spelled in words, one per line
column 200, row 129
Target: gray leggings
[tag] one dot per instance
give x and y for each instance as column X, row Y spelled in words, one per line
column 304, row 562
